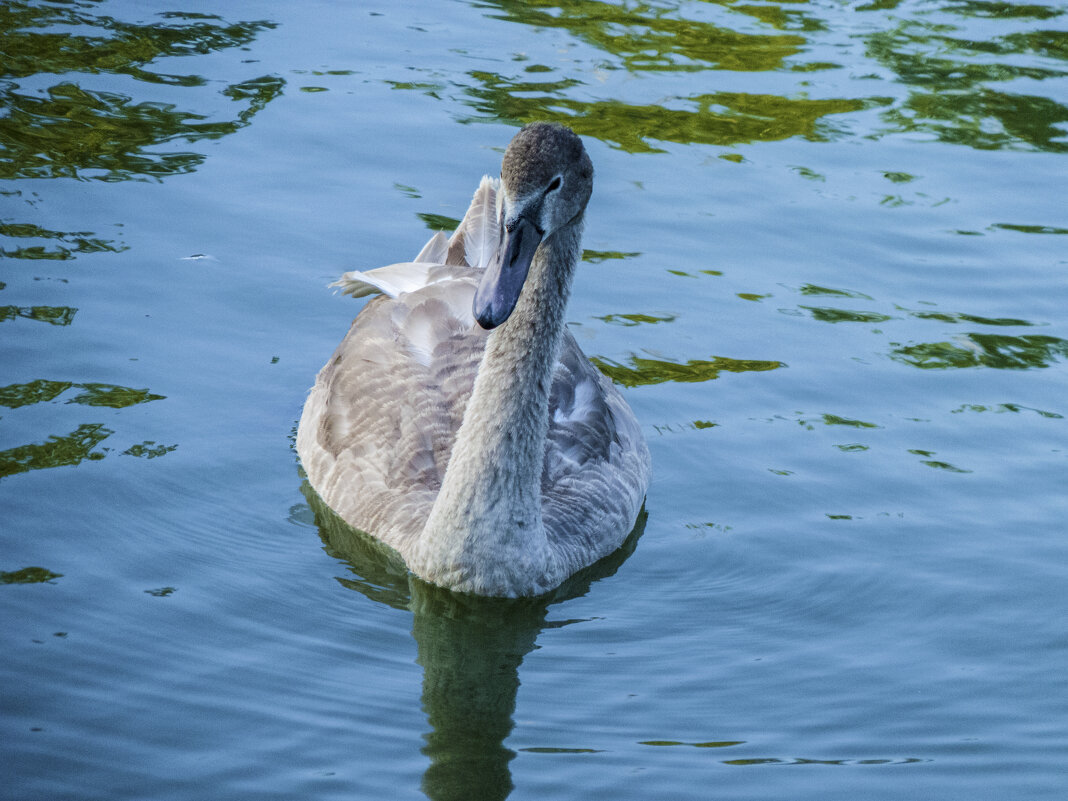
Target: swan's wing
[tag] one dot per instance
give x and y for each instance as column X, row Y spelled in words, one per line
column 479, row 234
column 436, row 250
column 392, row 280
column 581, row 424
column 473, row 244
column 597, row 464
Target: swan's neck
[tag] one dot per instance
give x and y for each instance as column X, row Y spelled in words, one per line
column 485, row 531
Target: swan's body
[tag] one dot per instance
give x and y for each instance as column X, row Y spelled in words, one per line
column 494, row 462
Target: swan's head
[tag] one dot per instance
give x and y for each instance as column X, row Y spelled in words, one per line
column 546, row 181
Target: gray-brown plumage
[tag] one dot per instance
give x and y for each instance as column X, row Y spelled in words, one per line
column 496, row 462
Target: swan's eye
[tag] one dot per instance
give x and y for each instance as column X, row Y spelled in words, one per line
column 554, row 185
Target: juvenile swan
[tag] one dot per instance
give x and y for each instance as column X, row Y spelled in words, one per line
column 493, row 457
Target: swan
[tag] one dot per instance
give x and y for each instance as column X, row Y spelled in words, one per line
column 458, row 421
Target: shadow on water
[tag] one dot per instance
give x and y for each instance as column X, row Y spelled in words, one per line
column 470, row 649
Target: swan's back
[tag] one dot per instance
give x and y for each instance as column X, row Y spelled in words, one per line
column 379, row 424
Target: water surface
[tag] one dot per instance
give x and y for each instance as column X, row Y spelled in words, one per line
column 826, row 260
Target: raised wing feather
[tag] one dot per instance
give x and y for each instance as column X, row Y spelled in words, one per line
column 436, row 250
column 473, row 244
column 392, row 280
column 481, row 226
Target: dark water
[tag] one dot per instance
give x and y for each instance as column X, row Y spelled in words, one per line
column 827, row 259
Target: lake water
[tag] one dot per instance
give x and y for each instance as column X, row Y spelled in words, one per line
column 827, row 261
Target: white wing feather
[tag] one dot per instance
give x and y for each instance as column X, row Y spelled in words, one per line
column 478, row 233
column 481, row 226
column 436, row 250
column 391, row 280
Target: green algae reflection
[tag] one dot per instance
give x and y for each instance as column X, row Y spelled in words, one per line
column 985, row 350
column 15, row 395
column 951, row 70
column 643, row 36
column 79, row 133
column 53, row 315
column 35, row 38
column 72, row 449
column 720, row 118
column 640, row 371
column 952, row 80
column 93, row 394
column 968, row 69
column 28, row 575
column 72, row 131
column 80, row 444
column 828, row 314
column 67, row 243
column 36, row 243
column 57, row 451
column 631, row 320
column 112, row 396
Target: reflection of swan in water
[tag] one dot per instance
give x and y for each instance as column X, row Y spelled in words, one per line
column 470, row 648
column 494, row 463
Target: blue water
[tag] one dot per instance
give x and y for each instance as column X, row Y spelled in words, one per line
column 827, row 260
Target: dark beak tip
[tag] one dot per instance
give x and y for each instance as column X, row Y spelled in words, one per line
column 486, row 316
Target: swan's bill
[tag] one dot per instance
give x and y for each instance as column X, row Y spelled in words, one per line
column 499, row 289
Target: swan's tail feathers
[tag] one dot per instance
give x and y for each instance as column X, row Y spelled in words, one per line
column 478, row 236
column 391, row 280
